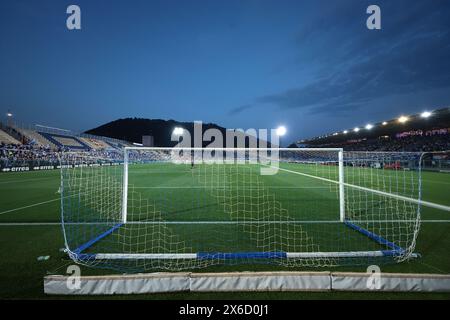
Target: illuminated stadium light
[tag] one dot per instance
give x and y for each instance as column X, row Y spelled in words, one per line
column 9, row 117
column 345, row 131
column 425, row 114
column 369, row 126
column 335, row 134
column 178, row 131
column 384, row 123
column 356, row 129
column 403, row 119
column 281, row 131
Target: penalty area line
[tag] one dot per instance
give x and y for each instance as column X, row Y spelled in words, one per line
column 25, row 180
column 32, row 205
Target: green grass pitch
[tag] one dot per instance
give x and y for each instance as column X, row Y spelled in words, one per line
column 30, row 215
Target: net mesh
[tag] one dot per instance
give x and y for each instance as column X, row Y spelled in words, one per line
column 189, row 208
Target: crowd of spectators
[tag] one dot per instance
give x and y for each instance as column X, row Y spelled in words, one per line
column 26, row 153
column 37, row 155
column 408, row 143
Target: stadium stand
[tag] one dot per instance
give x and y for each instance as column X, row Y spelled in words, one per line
column 426, row 143
column 30, row 148
column 15, row 157
column 96, row 144
column 42, row 137
column 35, row 138
column 118, row 144
column 416, row 134
column 64, row 141
column 35, row 147
column 7, row 139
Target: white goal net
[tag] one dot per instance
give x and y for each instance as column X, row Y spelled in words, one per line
column 178, row 209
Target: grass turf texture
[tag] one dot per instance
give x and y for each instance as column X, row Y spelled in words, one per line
column 31, row 198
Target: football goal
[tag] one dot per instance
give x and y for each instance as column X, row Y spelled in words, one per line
column 186, row 208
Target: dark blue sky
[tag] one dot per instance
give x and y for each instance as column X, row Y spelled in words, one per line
column 310, row 65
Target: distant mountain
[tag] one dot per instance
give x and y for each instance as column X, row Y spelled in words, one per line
column 132, row 129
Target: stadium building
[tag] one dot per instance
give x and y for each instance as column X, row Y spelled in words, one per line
column 427, row 131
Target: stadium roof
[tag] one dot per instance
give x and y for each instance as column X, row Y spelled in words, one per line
column 439, row 118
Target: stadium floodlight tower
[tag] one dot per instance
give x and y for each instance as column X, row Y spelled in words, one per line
column 178, row 131
column 403, row 119
column 9, row 116
column 426, row 114
column 281, row 131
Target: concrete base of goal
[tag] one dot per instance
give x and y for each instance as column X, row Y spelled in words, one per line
column 393, row 282
column 243, row 281
column 117, row 284
column 260, row 281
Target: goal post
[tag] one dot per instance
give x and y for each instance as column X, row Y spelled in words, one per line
column 129, row 149
column 125, row 186
column 341, row 185
column 186, row 208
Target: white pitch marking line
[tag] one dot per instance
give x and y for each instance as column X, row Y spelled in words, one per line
column 30, row 206
column 29, row 224
column 433, row 181
column 12, row 224
column 24, row 180
column 36, row 204
column 415, row 201
column 227, row 187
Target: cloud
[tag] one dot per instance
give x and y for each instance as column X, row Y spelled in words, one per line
column 408, row 59
column 240, row 109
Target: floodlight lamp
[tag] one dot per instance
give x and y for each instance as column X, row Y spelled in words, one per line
column 402, row 119
column 356, row 129
column 178, row 131
column 425, row 114
column 281, row 131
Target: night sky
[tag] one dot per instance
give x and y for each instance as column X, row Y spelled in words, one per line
column 312, row 66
